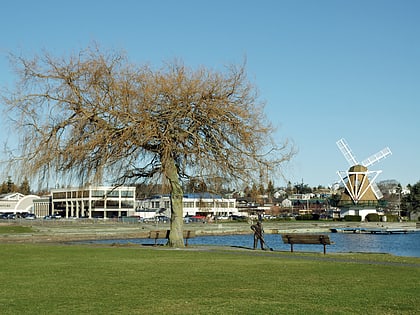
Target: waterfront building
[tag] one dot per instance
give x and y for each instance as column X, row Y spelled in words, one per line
column 42, row 206
column 17, row 203
column 93, row 202
column 194, row 204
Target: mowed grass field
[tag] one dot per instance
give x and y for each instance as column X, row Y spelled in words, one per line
column 133, row 279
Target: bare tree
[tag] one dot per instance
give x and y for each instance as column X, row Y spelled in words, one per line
column 95, row 115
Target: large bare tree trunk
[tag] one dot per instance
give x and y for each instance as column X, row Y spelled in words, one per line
column 176, row 234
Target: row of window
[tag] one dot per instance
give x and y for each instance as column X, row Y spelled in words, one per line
column 195, row 204
column 93, row 193
column 98, row 204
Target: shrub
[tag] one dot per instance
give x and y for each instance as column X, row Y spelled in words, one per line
column 392, row 218
column 315, row 216
column 308, row 217
column 353, row 218
column 372, row 217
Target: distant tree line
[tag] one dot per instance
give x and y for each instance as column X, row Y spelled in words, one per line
column 8, row 186
column 411, row 201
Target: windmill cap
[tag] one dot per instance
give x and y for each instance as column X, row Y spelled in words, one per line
column 358, row 168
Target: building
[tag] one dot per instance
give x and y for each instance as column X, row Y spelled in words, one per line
column 42, row 206
column 93, row 202
column 287, row 203
column 194, row 204
column 17, row 203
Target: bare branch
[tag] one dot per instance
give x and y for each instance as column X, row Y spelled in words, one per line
column 94, row 116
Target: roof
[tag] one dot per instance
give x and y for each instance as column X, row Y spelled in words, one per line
column 12, row 196
column 202, row 195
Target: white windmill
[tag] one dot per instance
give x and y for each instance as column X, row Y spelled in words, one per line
column 358, row 180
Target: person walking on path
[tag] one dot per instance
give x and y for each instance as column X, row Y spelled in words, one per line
column 258, row 234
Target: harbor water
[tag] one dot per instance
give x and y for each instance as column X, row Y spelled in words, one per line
column 396, row 244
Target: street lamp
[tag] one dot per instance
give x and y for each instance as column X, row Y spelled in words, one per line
column 399, row 202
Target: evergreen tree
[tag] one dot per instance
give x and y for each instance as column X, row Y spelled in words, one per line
column 24, row 187
column 270, row 188
column 8, row 186
column 411, row 202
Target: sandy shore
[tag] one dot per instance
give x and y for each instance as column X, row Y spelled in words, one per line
column 73, row 230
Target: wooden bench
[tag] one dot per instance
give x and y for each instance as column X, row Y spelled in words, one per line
column 164, row 234
column 417, row 225
column 306, row 239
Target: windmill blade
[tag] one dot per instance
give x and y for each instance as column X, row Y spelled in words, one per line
column 372, row 175
column 376, row 191
column 344, row 176
column 345, row 149
column 377, row 157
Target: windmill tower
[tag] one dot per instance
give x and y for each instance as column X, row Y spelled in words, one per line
column 361, row 190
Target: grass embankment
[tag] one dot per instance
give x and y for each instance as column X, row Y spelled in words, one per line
column 15, row 229
column 82, row 279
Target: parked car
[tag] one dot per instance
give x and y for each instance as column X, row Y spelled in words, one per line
column 52, row 217
column 197, row 218
column 148, row 220
column 30, row 216
column 162, row 218
column 237, row 217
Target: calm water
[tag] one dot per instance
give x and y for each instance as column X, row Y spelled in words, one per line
column 396, row 244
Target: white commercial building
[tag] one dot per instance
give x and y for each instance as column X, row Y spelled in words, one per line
column 194, row 204
column 94, row 202
column 17, row 203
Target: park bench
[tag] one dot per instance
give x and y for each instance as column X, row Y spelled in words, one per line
column 306, row 239
column 164, row 234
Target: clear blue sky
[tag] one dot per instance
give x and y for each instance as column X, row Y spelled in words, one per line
column 327, row 69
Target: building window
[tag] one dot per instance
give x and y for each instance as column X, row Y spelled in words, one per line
column 127, row 193
column 203, row 204
column 112, row 204
column 59, row 195
column 98, row 193
column 189, row 204
column 126, row 204
column 98, row 204
column 113, row 193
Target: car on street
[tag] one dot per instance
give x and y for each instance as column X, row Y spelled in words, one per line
column 30, row 216
column 162, row 218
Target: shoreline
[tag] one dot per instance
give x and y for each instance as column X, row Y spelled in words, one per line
column 72, row 230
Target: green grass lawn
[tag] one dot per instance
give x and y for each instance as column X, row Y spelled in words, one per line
column 15, row 229
column 84, row 279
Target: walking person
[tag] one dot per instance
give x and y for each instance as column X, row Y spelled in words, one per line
column 258, row 234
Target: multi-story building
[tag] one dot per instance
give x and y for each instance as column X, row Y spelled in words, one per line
column 194, row 204
column 93, row 202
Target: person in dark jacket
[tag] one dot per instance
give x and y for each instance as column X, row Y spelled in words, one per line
column 258, row 234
